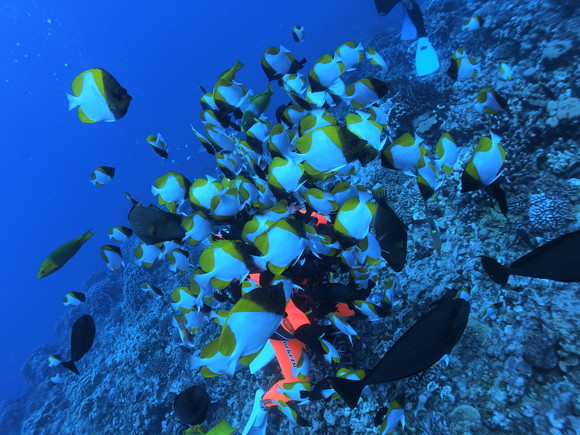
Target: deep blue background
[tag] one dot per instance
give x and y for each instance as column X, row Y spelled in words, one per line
column 160, row 52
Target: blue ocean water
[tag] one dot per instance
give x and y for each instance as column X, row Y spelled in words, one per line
column 160, row 52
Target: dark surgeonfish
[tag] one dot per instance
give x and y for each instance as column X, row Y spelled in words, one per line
column 558, row 260
column 390, row 231
column 62, row 254
column 81, row 341
column 424, row 344
column 191, row 405
column 153, row 225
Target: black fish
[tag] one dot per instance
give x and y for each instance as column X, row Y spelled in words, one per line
column 191, row 405
column 425, row 343
column 81, row 341
column 153, row 225
column 558, row 260
column 391, row 232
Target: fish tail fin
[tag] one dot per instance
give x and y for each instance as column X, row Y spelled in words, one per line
column 73, row 101
column 71, row 366
column 495, row 270
column 348, row 389
column 499, row 194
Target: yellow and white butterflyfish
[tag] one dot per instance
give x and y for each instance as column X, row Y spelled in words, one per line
column 281, row 245
column 506, row 71
column 473, row 23
column 193, row 318
column 362, row 276
column 291, row 115
column 254, row 227
column 330, row 352
column 266, row 198
column 354, row 217
column 280, row 141
column 377, row 114
column 277, row 62
column 376, row 59
column 113, row 258
column 226, row 205
column 368, row 309
column 389, row 295
column 368, row 251
column 211, row 117
column 394, row 416
column 348, row 257
column 344, row 191
column 167, row 247
column 178, row 260
column 489, row 101
column 210, row 361
column 491, row 311
column 151, row 290
column 317, row 99
column 294, row 83
column 102, row 175
column 197, row 226
column 54, row 360
column 321, row 201
column 248, row 326
column 325, row 72
column 370, row 131
column 247, row 190
column 315, row 119
column 183, row 299
column 446, row 151
column 119, row 233
column 202, row 191
column 365, row 92
column 74, row 299
column 171, row 189
column 229, row 163
column 485, row 164
column 463, row 68
column 350, row 53
column 56, row 379
column 257, row 134
column 230, row 96
column 285, row 175
column 426, row 177
column 458, row 53
column 223, row 261
column 404, row 153
column 206, row 101
column 219, row 138
column 205, row 142
column 322, row 244
column 327, row 149
column 298, row 33
column 158, row 144
column 98, row 97
column 274, row 213
column 145, row 255
column 341, row 324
